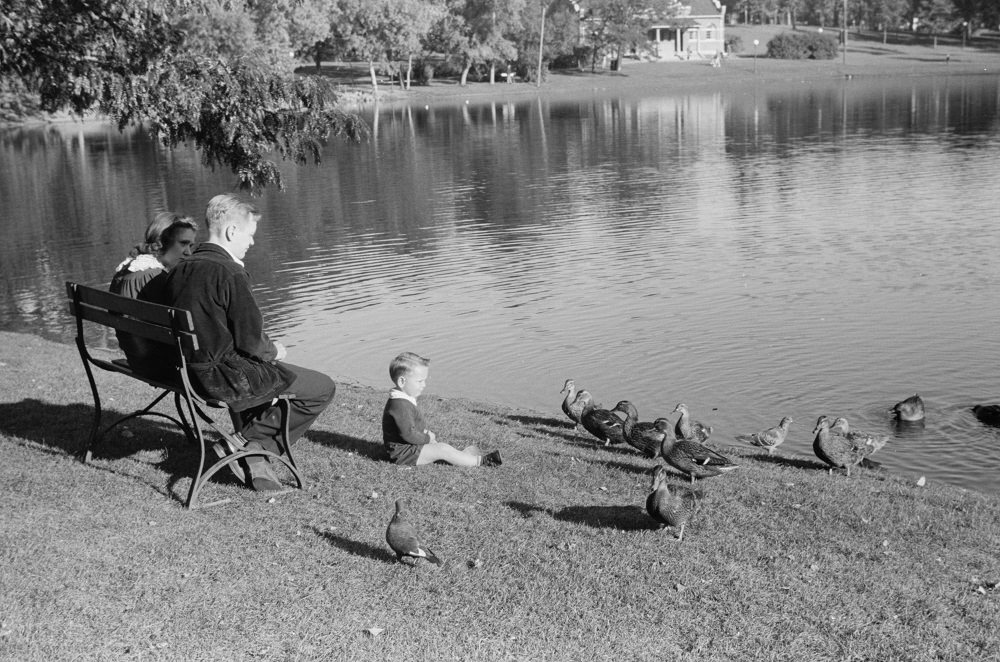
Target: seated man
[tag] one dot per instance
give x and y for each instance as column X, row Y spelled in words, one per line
column 236, row 361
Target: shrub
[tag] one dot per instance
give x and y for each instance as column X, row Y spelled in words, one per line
column 734, row 43
column 803, row 46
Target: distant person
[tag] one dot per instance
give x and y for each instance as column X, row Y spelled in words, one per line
column 404, row 432
column 168, row 240
column 236, row 361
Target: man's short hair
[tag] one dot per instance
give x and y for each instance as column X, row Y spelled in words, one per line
column 226, row 208
column 404, row 364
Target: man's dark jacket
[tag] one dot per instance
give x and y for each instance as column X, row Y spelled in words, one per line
column 235, row 359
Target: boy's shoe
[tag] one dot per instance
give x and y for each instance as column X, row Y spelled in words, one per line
column 492, row 459
column 262, row 479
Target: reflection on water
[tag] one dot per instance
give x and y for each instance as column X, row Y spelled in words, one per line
column 827, row 250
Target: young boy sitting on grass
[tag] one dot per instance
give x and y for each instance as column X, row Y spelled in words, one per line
column 404, row 433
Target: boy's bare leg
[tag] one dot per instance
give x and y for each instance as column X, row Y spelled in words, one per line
column 441, row 451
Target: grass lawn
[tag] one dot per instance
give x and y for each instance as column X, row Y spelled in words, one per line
column 867, row 56
column 550, row 557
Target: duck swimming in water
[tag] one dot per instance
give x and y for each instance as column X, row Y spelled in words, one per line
column 909, row 410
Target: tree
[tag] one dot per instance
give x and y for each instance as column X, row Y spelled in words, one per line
column 562, row 33
column 382, row 31
column 477, row 31
column 129, row 63
column 611, row 24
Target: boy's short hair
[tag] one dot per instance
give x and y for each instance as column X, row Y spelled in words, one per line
column 404, row 364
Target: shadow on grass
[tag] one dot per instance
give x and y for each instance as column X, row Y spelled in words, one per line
column 66, row 428
column 356, row 547
column 625, row 518
column 363, row 447
column 794, row 462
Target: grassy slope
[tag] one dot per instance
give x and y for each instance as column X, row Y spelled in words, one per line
column 783, row 561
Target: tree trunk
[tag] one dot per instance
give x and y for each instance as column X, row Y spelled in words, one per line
column 409, row 70
column 371, row 72
column 465, row 74
column 493, row 73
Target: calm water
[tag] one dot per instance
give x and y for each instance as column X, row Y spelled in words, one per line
column 830, row 249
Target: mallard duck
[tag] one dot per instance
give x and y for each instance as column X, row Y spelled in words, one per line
column 572, row 404
column 987, row 414
column 840, row 426
column 666, row 507
column 911, row 409
column 770, row 438
column 643, row 436
column 403, row 540
column 694, row 458
column 690, row 429
column 837, row 450
column 602, row 423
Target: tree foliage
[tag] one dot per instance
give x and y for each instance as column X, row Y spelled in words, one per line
column 130, row 62
column 612, row 24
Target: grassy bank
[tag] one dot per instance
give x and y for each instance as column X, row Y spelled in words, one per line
column 867, row 56
column 550, row 557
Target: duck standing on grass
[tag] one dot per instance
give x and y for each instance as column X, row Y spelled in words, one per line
column 839, row 451
column 403, row 540
column 603, row 424
column 686, row 428
column 645, row 437
column 910, row 410
column 666, row 507
column 770, row 438
column 573, row 403
column 842, row 427
column 694, row 458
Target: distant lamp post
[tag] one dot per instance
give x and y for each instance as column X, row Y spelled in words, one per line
column 965, row 31
column 756, row 42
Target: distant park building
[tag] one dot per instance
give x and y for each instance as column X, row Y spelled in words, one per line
column 697, row 31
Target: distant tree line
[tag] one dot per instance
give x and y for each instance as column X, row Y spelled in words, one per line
column 937, row 16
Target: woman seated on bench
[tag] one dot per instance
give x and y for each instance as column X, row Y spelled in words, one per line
column 169, row 239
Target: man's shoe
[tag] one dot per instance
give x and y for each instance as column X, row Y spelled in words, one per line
column 262, row 478
column 224, row 448
column 492, row 459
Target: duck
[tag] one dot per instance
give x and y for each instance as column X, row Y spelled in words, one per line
column 645, row 437
column 690, row 429
column 842, row 427
column 602, row 423
column 404, row 541
column 693, row 458
column 770, row 438
column 572, row 404
column 987, row 414
column 668, row 508
column 837, row 450
column 910, row 409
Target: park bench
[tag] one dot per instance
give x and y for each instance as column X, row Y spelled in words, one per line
column 174, row 329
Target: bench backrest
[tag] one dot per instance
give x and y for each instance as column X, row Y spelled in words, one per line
column 170, row 326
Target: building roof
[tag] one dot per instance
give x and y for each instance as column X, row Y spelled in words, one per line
column 702, row 7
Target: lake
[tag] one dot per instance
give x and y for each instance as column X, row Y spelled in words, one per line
column 825, row 249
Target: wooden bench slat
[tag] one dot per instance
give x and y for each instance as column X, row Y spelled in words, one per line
column 145, row 310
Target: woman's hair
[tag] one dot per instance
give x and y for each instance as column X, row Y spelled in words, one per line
column 404, row 364
column 154, row 242
column 169, row 236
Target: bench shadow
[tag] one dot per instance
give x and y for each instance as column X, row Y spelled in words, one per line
column 356, row 547
column 65, row 428
column 363, row 447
